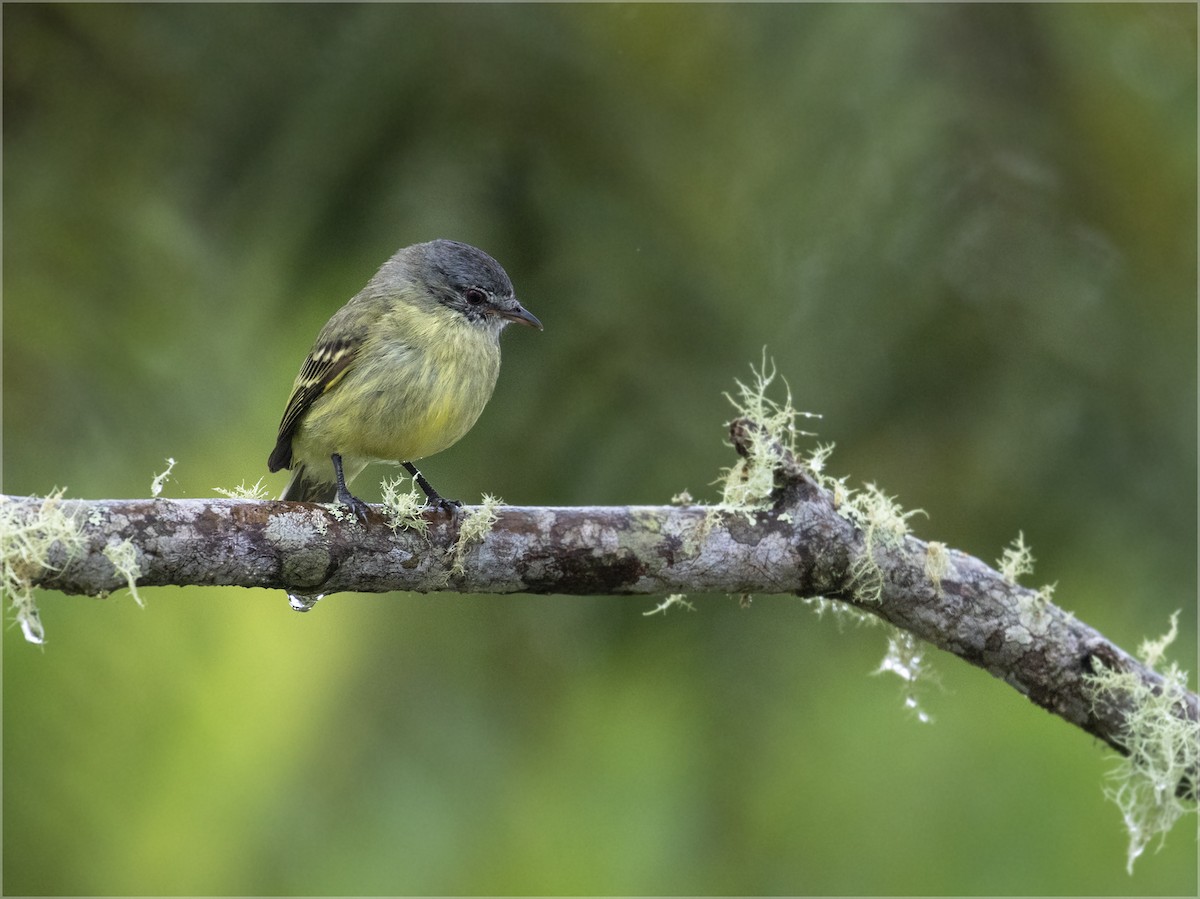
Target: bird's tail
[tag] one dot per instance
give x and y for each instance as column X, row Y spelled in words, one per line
column 304, row 488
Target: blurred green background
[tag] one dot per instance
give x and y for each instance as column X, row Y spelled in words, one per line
column 966, row 234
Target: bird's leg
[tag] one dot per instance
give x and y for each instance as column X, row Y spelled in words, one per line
column 344, row 496
column 435, row 499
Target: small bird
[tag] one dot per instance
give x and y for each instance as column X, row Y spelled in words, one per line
column 400, row 372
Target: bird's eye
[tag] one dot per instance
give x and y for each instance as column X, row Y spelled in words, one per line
column 475, row 296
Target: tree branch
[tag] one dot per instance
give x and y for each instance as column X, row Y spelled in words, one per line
column 801, row 545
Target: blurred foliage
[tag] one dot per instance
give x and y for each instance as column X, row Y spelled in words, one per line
column 966, row 234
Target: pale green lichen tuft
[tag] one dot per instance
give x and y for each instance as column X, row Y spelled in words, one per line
column 937, row 564
column 1152, row 651
column 1163, row 746
column 1033, row 611
column 879, row 516
column 27, row 545
column 405, row 508
column 747, row 486
column 160, row 479
column 1034, row 617
column 817, row 458
column 884, row 525
column 674, row 601
column 257, row 490
column 1045, row 595
column 475, row 525
column 123, row 556
column 1016, row 561
column 713, row 516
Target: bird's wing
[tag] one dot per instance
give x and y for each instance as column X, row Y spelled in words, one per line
column 323, row 368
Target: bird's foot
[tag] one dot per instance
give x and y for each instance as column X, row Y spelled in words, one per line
column 433, row 499
column 441, row 504
column 344, row 496
column 357, row 507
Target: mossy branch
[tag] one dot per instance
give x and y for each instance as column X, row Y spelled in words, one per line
column 804, row 540
column 782, row 526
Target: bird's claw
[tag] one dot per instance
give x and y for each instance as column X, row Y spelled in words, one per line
column 357, row 507
column 441, row 504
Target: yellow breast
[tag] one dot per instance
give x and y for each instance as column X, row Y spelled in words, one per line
column 415, row 388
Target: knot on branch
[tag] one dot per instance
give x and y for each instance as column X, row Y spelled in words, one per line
column 763, row 450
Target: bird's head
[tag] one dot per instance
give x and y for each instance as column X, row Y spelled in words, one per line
column 466, row 280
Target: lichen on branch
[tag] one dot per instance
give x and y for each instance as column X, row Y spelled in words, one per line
column 782, row 526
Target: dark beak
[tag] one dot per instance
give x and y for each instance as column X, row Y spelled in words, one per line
column 521, row 316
